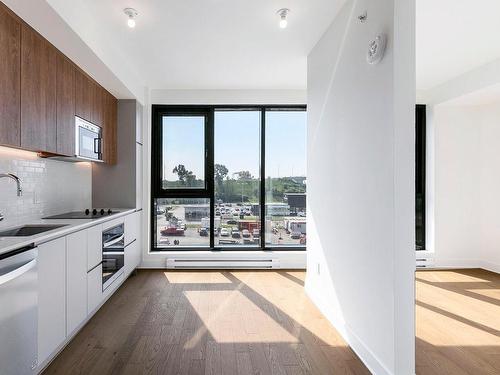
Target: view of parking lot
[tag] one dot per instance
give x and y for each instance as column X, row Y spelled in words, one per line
column 184, row 222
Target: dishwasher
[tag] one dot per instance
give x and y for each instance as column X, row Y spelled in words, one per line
column 18, row 311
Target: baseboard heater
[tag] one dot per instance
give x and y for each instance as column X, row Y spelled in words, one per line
column 204, row 263
column 425, row 262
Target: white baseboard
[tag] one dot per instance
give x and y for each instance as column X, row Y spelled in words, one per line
column 489, row 266
column 467, row 263
column 370, row 360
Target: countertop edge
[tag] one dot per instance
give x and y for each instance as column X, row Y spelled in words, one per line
column 71, row 226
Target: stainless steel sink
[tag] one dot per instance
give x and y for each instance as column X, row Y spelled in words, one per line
column 29, row 230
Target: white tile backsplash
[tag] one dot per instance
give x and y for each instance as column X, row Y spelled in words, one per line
column 49, row 186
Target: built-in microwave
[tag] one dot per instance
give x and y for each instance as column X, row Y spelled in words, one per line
column 88, row 140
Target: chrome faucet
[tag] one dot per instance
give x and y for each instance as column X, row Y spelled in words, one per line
column 18, row 182
column 15, row 178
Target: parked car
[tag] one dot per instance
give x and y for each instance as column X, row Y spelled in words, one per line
column 256, row 233
column 235, row 233
column 245, row 233
column 232, row 222
column 295, row 235
column 204, row 232
column 224, row 232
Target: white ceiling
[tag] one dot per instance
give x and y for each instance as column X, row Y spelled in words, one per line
column 204, row 44
column 454, row 37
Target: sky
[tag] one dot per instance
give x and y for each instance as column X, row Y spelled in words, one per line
column 237, row 143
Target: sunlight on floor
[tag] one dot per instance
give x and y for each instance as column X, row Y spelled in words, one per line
column 179, row 277
column 219, row 310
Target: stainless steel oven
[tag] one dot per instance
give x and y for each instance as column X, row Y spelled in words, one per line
column 88, row 140
column 113, row 254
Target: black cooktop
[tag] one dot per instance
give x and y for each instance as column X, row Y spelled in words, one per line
column 94, row 213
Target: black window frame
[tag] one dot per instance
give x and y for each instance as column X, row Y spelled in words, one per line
column 420, row 176
column 157, row 191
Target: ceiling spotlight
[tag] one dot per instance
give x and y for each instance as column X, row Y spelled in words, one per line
column 131, row 13
column 283, row 13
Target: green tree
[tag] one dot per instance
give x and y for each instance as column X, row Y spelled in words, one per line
column 187, row 178
column 220, row 172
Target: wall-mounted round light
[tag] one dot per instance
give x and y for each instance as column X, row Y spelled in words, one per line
column 132, row 14
column 283, row 13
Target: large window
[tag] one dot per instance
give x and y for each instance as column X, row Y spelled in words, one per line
column 228, row 178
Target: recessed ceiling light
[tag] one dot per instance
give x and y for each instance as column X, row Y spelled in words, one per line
column 283, row 13
column 131, row 13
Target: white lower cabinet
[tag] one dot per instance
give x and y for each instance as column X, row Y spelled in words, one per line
column 132, row 241
column 51, row 297
column 70, row 281
column 76, row 280
column 94, row 246
column 94, row 289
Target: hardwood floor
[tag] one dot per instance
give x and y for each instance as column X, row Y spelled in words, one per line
column 209, row 322
column 458, row 322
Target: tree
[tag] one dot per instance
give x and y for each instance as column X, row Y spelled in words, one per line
column 220, row 172
column 245, row 175
column 185, row 177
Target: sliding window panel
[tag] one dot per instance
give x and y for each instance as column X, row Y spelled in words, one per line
column 183, row 164
column 181, row 223
column 237, row 178
column 285, row 184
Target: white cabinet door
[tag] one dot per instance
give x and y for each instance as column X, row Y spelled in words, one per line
column 51, row 297
column 131, row 227
column 94, row 249
column 76, row 280
column 94, row 288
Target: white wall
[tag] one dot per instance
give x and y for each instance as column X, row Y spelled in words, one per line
column 467, row 182
column 360, row 257
column 49, row 187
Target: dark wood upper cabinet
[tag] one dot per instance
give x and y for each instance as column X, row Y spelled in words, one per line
column 38, row 92
column 110, row 155
column 84, row 95
column 65, row 106
column 98, row 105
column 10, row 79
column 41, row 91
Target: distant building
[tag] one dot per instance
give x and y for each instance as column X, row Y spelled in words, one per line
column 296, row 201
column 196, row 212
column 277, row 209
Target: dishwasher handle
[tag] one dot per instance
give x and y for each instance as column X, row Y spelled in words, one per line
column 17, row 262
column 9, row 276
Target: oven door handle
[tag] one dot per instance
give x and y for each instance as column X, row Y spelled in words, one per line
column 113, row 241
column 97, row 145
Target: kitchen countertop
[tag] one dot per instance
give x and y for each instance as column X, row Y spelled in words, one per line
column 70, row 226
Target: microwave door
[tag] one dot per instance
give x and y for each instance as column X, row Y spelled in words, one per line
column 89, row 144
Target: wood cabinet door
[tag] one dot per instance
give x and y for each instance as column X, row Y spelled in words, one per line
column 38, row 92
column 10, row 79
column 84, row 95
column 98, row 99
column 110, row 154
column 51, row 297
column 65, row 106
